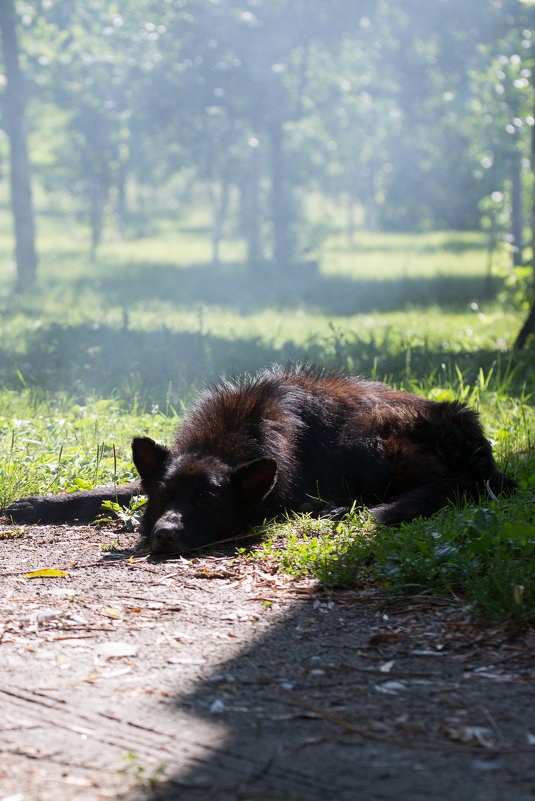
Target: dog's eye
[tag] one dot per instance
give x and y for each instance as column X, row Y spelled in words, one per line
column 204, row 498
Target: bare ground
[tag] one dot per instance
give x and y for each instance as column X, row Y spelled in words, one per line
column 216, row 679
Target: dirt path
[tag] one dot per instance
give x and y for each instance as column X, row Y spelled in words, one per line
column 210, row 680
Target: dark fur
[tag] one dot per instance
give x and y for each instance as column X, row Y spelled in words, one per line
column 290, row 440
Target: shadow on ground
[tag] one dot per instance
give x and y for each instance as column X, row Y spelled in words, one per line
column 342, row 701
column 240, row 289
column 167, row 367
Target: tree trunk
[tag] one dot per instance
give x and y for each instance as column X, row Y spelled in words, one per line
column 99, row 196
column 121, row 208
column 279, row 202
column 220, row 199
column 21, row 191
column 372, row 223
column 529, row 326
column 516, row 208
column 533, row 190
column 527, row 329
column 250, row 211
column 351, row 225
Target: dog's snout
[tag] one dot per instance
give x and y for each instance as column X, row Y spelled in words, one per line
column 165, row 537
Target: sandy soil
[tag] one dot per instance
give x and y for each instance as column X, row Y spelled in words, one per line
column 216, row 679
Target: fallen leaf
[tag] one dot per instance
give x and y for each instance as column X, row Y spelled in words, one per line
column 116, row 650
column 478, row 735
column 386, row 667
column 46, row 573
column 485, row 765
column 112, row 612
column 391, row 687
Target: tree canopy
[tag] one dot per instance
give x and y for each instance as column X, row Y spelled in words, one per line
column 414, row 118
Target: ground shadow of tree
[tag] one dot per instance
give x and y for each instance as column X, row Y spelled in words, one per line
column 294, row 746
column 167, row 367
column 147, row 366
column 234, row 287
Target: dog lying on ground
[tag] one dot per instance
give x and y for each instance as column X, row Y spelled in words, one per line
column 297, row 440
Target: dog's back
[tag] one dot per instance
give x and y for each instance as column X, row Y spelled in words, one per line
column 342, row 439
column 296, row 440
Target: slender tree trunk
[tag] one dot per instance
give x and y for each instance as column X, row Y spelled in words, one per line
column 121, row 208
column 371, row 204
column 220, row 199
column 529, row 325
column 21, row 191
column 516, row 210
column 250, row 211
column 491, row 247
column 279, row 201
column 351, row 225
column 527, row 329
column 99, row 196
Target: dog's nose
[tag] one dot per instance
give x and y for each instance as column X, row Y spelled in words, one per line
column 165, row 537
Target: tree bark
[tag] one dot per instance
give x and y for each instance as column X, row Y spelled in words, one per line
column 529, row 325
column 121, row 207
column 516, row 210
column 527, row 329
column 21, row 191
column 250, row 211
column 220, row 198
column 279, row 202
column 98, row 198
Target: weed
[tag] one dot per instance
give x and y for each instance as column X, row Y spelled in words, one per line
column 140, row 774
column 12, row 534
column 110, row 547
column 129, row 515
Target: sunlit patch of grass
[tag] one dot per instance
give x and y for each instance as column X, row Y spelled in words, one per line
column 48, row 445
column 332, row 551
column 482, row 558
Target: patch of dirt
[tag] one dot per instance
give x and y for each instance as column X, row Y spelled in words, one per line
column 213, row 679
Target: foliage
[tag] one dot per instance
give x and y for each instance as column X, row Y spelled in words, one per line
column 130, row 516
column 252, row 107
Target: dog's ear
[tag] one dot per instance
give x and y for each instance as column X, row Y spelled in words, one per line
column 255, row 480
column 150, row 458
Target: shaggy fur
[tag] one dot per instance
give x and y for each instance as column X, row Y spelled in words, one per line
column 301, row 440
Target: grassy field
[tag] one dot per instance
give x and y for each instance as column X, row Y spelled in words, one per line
column 101, row 351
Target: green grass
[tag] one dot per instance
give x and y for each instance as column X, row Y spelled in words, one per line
column 482, row 557
column 101, row 352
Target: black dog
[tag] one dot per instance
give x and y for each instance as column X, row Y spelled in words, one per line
column 294, row 440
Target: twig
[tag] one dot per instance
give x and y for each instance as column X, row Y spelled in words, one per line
column 351, row 728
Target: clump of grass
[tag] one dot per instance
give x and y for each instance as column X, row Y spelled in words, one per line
column 480, row 557
column 335, row 552
column 51, row 445
column 483, row 556
column 129, row 515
